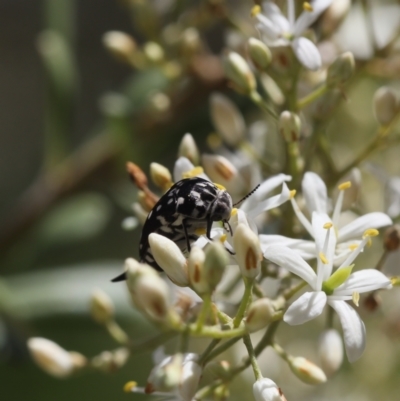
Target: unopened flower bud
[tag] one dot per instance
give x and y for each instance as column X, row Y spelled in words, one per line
column 266, row 390
column 391, row 238
column 259, row 53
column 160, row 176
column 372, row 301
column 221, row 393
column 159, row 103
column 101, row 307
column 259, row 314
column 53, row 359
column 119, row 44
column 148, row 291
column 191, row 373
column 166, row 376
column 153, row 52
column 137, row 175
column 188, row 149
column 191, row 41
column 196, row 271
column 170, row 258
column 219, row 369
column 215, row 263
column 239, row 72
column 330, row 351
column 386, row 105
column 248, row 251
column 222, row 171
column 289, row 126
column 110, row 361
column 341, row 70
column 227, row 119
column 306, row 371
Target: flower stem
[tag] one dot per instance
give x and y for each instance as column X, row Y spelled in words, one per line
column 252, row 357
column 220, row 349
column 262, row 104
column 311, row 97
column 205, row 309
column 248, row 287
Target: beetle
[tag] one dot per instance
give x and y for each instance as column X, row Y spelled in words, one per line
column 187, row 210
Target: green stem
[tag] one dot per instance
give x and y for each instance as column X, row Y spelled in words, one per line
column 311, row 97
column 205, row 309
column 220, row 349
column 248, row 287
column 252, row 357
column 382, row 260
column 262, row 104
column 204, row 356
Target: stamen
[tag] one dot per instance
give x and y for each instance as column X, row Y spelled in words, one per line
column 303, row 219
column 130, row 386
column 344, row 185
column 234, row 212
column 307, row 7
column 222, row 238
column 255, row 10
column 201, row 231
column 328, row 225
column 292, row 194
column 356, row 298
column 352, row 247
column 323, row 258
column 371, row 232
column 194, row 172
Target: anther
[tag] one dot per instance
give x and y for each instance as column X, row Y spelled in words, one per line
column 344, row 185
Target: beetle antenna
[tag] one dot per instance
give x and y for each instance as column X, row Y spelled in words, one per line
column 249, row 194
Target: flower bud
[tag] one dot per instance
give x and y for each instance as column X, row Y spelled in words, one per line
column 266, row 390
column 227, row 119
column 191, row 373
column 153, row 52
column 391, row 238
column 259, row 54
column 215, row 263
column 191, row 41
column 248, row 251
column 137, row 175
column 196, row 271
column 238, row 71
column 101, row 307
column 289, row 126
column 110, row 361
column 119, row 44
column 160, row 176
column 188, row 149
column 170, row 258
column 306, row 371
column 341, row 70
column 259, row 314
column 166, row 376
column 148, row 291
column 222, row 171
column 53, row 359
column 386, row 105
column 330, row 351
column 219, row 369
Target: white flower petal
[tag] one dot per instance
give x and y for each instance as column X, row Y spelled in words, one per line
column 271, row 203
column 315, row 193
column 265, row 389
column 274, row 14
column 268, row 28
column 353, row 329
column 356, row 228
column 182, row 166
column 291, row 260
column 385, row 22
column 306, row 18
column 307, row 307
column 307, row 53
column 392, row 196
column 306, row 249
column 363, row 281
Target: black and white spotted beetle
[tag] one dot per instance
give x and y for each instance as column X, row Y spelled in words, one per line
column 187, row 209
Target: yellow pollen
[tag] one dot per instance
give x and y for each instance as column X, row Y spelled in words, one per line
column 129, row 386
column 223, row 238
column 323, row 258
column 356, row 298
column 219, row 186
column 395, row 281
column 307, row 7
column 234, row 212
column 201, row 231
column 194, row 172
column 371, row 232
column 292, row 194
column 327, row 226
column 352, row 247
column 344, row 185
column 255, row 10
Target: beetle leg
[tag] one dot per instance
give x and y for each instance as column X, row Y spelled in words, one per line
column 186, row 234
column 209, row 225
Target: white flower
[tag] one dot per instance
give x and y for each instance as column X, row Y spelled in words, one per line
column 265, row 389
column 277, row 30
column 316, row 200
column 327, row 288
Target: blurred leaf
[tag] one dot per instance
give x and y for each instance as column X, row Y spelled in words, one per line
column 76, row 219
